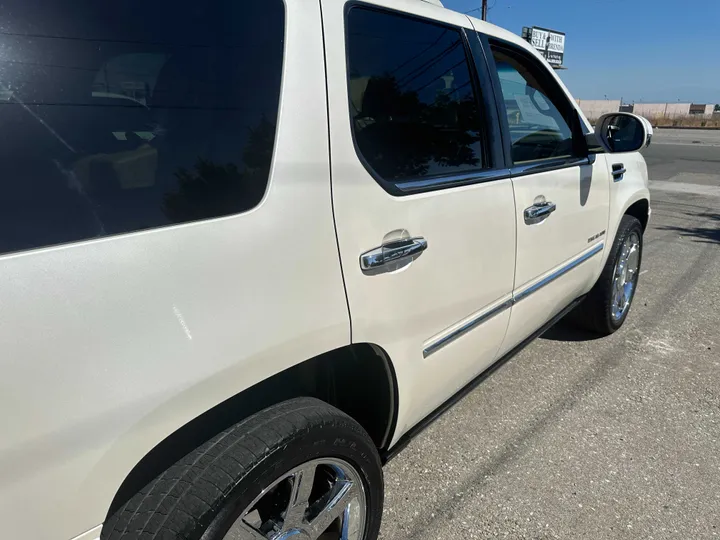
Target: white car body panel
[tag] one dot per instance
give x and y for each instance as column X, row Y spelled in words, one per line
column 631, row 189
column 111, row 345
column 582, row 197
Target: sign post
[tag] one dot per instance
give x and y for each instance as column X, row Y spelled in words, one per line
column 550, row 43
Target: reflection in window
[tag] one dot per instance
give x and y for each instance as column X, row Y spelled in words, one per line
column 413, row 108
column 537, row 128
column 129, row 76
column 625, row 134
column 112, row 122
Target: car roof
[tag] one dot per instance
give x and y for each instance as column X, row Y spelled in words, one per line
column 492, row 30
column 489, row 29
column 484, row 27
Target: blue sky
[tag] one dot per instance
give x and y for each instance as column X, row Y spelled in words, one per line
column 638, row 50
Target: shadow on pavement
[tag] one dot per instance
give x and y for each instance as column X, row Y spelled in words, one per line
column 564, row 330
column 706, row 235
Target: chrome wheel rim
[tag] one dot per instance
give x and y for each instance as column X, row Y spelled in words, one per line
column 625, row 277
column 323, row 499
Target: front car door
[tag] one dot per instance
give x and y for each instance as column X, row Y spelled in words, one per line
column 561, row 194
column 424, row 210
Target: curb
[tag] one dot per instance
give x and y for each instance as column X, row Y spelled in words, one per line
column 688, row 128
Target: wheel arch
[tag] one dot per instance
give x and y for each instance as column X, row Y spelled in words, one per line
column 629, row 197
column 358, row 379
column 639, row 209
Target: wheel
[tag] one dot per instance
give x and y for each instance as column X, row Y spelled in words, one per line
column 300, row 469
column 606, row 307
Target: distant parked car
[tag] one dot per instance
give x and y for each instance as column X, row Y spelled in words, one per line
column 249, row 249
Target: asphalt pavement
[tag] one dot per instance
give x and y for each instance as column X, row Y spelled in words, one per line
column 613, row 438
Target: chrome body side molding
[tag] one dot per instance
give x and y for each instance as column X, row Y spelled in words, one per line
column 485, row 315
column 527, row 291
column 469, row 325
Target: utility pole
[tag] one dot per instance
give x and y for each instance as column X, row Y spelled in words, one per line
column 484, row 9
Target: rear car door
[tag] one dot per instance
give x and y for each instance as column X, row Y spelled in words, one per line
column 561, row 194
column 425, row 223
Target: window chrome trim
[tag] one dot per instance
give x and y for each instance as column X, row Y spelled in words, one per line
column 537, row 167
column 407, row 187
column 524, row 293
column 442, row 182
column 474, row 322
column 485, row 315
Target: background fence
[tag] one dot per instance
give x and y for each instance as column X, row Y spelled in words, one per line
column 660, row 114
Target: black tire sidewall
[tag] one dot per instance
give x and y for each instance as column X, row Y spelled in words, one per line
column 337, row 440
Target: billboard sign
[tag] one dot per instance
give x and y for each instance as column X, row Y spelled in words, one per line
column 550, row 43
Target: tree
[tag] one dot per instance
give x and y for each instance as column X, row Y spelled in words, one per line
column 212, row 189
column 717, row 108
column 404, row 136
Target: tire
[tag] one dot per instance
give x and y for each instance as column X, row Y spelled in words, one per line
column 597, row 313
column 204, row 495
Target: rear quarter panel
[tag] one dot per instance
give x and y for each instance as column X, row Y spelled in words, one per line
column 108, row 346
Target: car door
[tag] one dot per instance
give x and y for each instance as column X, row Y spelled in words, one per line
column 424, row 212
column 561, row 194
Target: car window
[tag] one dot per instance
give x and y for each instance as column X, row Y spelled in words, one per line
column 122, row 116
column 412, row 101
column 538, row 129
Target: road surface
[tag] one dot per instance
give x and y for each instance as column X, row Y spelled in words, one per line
column 616, row 438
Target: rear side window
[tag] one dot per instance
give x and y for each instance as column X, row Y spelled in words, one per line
column 538, row 129
column 122, row 116
column 413, row 107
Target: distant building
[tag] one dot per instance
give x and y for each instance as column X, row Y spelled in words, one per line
column 662, row 110
column 595, row 108
column 706, row 111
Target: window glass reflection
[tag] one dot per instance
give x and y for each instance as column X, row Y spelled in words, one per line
column 116, row 117
column 413, row 106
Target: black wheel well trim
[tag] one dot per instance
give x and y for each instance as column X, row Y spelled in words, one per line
column 393, row 410
column 639, row 210
column 317, row 377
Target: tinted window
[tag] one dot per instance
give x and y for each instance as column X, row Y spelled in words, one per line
column 414, row 112
column 120, row 116
column 537, row 128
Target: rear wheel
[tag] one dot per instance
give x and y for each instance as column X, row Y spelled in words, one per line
column 321, row 499
column 300, row 470
column 606, row 307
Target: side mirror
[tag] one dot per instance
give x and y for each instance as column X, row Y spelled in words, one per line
column 623, row 132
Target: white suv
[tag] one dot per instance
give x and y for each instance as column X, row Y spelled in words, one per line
column 250, row 248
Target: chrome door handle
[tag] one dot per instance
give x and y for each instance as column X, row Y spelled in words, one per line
column 539, row 212
column 392, row 255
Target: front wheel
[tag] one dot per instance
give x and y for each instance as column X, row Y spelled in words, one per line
column 299, row 470
column 606, row 307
